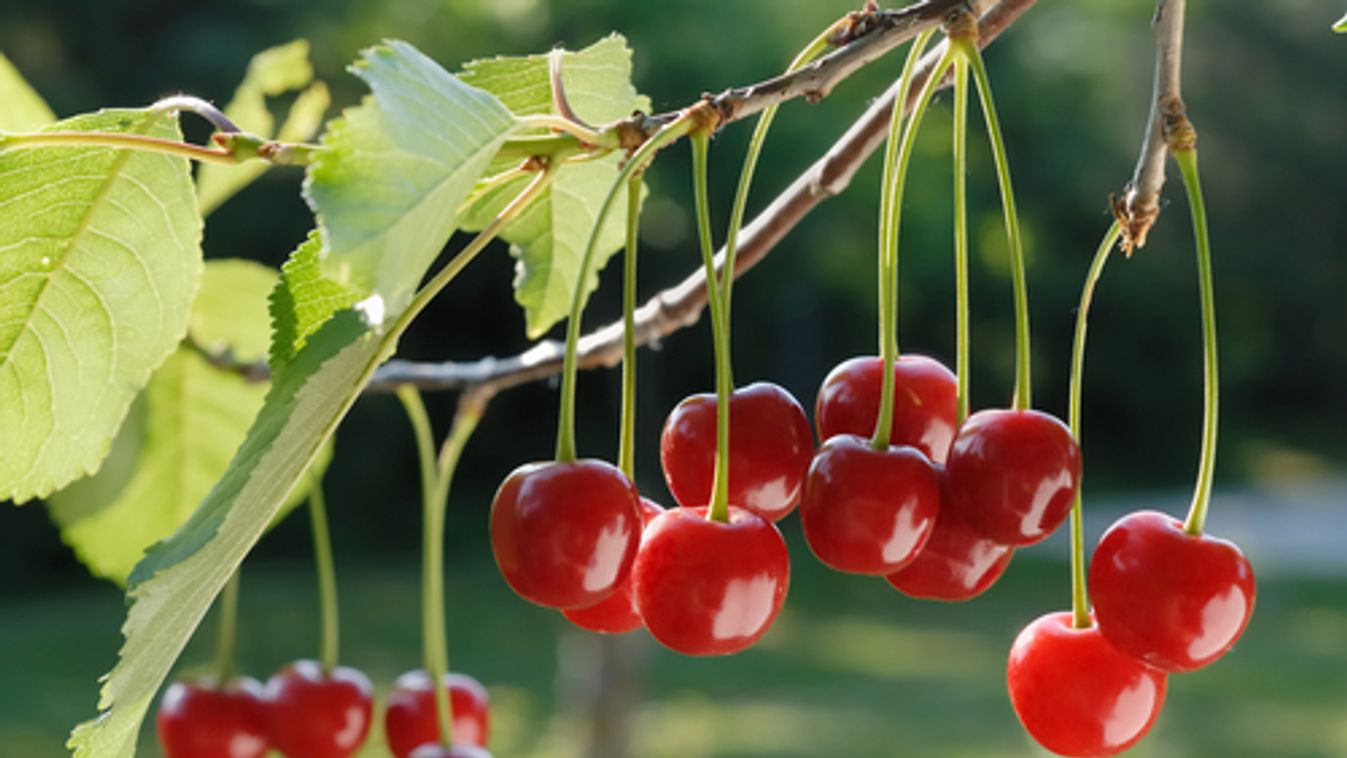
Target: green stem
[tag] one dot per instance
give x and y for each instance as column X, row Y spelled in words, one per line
column 1080, row 602
column 891, row 213
column 962, row 333
column 1023, row 358
column 227, row 630
column 719, row 509
column 626, row 448
column 606, row 139
column 327, row 580
column 634, row 165
column 1197, row 512
column 119, row 141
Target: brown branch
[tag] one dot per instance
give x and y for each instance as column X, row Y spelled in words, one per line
column 1167, row 128
column 681, row 305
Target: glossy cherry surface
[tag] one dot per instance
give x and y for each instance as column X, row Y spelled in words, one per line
column 310, row 715
column 707, row 588
column 771, row 446
column 617, row 614
column 436, row 750
column 925, row 408
column 957, row 563
column 868, row 511
column 410, row 721
column 564, row 534
column 1012, row 475
column 1076, row 694
column 1175, row 601
column 196, row 720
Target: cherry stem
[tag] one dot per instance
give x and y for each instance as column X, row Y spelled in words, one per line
column 1080, row 601
column 898, row 155
column 327, row 579
column 626, row 448
column 719, row 509
column 962, row 333
column 1023, row 358
column 140, row 142
column 227, row 630
column 1197, row 512
column 636, row 164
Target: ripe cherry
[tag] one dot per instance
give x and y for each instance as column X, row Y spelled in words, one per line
column 313, row 715
column 410, row 720
column 436, row 750
column 617, row 614
column 956, row 564
column 198, row 720
column 925, row 409
column 707, row 588
column 565, row 534
column 771, row 445
column 1173, row 600
column 1012, row 475
column 868, row 511
column 1076, row 694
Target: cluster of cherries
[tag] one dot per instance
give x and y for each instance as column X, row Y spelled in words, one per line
column 303, row 712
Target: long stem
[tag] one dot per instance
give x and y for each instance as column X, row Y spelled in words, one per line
column 227, row 631
column 719, row 509
column 635, row 164
column 327, row 580
column 1197, row 512
column 626, row 448
column 120, row 141
column 1023, row 358
column 1080, row 602
column 962, row 333
column 895, row 181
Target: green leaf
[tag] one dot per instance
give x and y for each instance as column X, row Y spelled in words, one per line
column 21, row 108
column 272, row 72
column 100, row 254
column 303, row 301
column 549, row 239
column 1341, row 26
column 395, row 170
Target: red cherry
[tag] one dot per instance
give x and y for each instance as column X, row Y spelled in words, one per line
column 707, row 588
column 436, row 750
column 1012, row 475
column 1161, row 595
column 310, row 715
column 410, row 720
column 617, row 614
column 1076, row 694
column 956, row 564
column 196, row 720
column 868, row 511
column 770, row 449
column 925, row 408
column 565, row 534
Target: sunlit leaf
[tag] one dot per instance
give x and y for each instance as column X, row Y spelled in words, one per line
column 21, row 108
column 1341, row 26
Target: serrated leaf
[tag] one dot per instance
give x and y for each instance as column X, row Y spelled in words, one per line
column 21, row 108
column 550, row 237
column 272, row 72
column 303, row 301
column 395, row 170
column 100, row 253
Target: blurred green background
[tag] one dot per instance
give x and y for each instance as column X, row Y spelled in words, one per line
column 852, row 668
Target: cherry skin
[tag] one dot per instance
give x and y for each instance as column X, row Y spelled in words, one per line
column 312, row 715
column 410, row 720
column 925, row 406
column 197, row 720
column 565, row 534
column 1161, row 595
column 436, row 750
column 1076, row 694
column 868, row 511
column 617, row 614
column 771, row 446
column 1012, row 475
column 707, row 588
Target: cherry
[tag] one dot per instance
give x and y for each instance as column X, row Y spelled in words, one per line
column 956, row 564
column 436, row 750
column 770, row 449
column 925, row 409
column 868, row 511
column 707, row 588
column 617, row 614
column 565, row 534
column 1012, row 475
column 312, row 715
column 410, row 720
column 1171, row 599
column 1078, row 695
column 198, row 720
